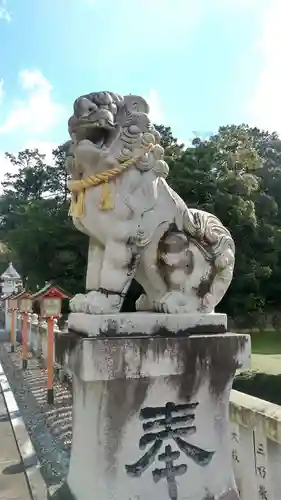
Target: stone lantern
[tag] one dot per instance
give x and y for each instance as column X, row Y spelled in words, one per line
column 11, row 282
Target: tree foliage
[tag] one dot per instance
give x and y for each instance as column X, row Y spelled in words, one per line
column 235, row 174
column 35, row 225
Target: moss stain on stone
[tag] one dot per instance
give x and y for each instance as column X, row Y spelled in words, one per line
column 212, row 358
column 124, row 398
column 111, row 330
column 65, row 343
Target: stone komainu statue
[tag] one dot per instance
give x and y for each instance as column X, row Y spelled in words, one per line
column 138, row 227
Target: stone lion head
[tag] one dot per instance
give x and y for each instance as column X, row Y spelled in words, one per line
column 108, row 129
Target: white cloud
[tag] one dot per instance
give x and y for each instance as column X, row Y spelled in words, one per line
column 4, row 13
column 32, row 117
column 38, row 112
column 156, row 112
column 265, row 106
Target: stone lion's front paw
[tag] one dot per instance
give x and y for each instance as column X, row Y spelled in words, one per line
column 100, row 303
column 77, row 303
column 171, row 303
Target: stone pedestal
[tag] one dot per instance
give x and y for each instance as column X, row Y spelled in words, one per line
column 150, row 417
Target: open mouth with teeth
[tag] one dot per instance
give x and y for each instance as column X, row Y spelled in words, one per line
column 99, row 136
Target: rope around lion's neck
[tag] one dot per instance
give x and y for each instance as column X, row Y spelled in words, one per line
column 78, row 187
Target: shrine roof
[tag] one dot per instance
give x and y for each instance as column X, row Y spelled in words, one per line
column 46, row 288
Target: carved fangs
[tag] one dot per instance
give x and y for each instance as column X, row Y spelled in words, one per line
column 100, row 133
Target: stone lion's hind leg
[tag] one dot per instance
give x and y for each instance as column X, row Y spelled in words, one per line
column 176, row 262
column 117, row 271
column 149, row 277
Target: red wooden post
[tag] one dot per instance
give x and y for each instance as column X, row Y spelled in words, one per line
column 50, row 362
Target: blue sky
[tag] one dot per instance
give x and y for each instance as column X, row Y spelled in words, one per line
column 200, row 63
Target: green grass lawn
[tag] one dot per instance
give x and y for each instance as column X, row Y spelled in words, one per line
column 266, row 342
column 264, row 379
column 266, row 352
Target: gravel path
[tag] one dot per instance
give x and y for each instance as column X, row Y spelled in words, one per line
column 49, row 427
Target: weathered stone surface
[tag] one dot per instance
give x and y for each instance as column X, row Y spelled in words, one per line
column 166, row 395
column 138, row 227
column 155, row 324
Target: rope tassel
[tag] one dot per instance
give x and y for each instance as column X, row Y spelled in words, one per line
column 78, row 187
column 76, row 208
column 80, row 203
column 106, row 201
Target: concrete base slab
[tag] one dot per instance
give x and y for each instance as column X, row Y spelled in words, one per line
column 13, row 484
column 28, row 461
column 142, row 323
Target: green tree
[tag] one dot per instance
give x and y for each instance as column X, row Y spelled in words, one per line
column 30, row 180
column 224, row 175
column 35, row 225
column 171, row 145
